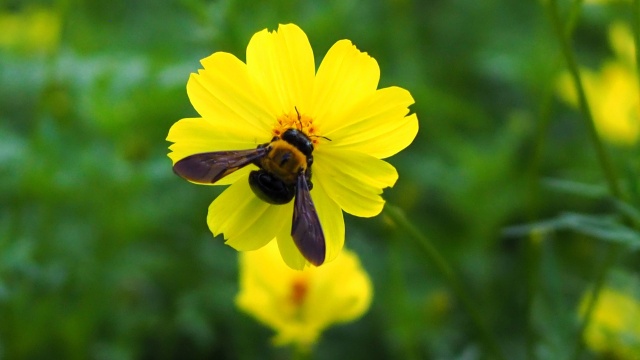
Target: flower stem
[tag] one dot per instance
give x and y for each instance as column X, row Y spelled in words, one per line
column 399, row 218
column 299, row 352
column 574, row 14
column 613, row 250
column 601, row 153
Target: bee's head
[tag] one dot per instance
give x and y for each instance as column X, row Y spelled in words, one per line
column 298, row 139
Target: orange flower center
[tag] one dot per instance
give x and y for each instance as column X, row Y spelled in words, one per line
column 296, row 120
column 299, row 289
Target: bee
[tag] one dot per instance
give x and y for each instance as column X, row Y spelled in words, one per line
column 284, row 174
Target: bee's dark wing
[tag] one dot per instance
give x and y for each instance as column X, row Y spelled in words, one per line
column 207, row 168
column 306, row 229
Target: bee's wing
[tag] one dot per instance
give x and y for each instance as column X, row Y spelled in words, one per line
column 306, row 229
column 207, row 168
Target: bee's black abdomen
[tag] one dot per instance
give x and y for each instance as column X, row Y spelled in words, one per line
column 270, row 188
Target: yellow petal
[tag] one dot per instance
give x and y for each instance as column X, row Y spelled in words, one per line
column 253, row 265
column 299, row 305
column 616, row 104
column 332, row 221
column 353, row 180
column 263, row 292
column 288, row 249
column 332, row 301
column 197, row 135
column 613, row 328
column 282, row 64
column 345, row 77
column 247, row 222
column 378, row 126
column 622, row 42
column 613, row 96
column 224, row 92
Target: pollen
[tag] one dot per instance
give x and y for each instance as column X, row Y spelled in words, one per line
column 296, row 120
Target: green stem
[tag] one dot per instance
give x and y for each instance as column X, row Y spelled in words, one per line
column 299, row 352
column 613, row 250
column 574, row 14
column 432, row 253
column 532, row 264
column 601, row 153
column 616, row 249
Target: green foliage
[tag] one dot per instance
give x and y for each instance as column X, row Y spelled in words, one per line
column 105, row 253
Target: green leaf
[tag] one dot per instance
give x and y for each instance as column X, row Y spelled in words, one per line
column 575, row 188
column 603, row 227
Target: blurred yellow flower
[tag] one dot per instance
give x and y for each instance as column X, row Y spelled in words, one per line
column 299, row 305
column 613, row 92
column 350, row 123
column 622, row 43
column 614, row 328
column 31, row 30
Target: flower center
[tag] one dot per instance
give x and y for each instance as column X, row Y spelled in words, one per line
column 299, row 289
column 296, row 120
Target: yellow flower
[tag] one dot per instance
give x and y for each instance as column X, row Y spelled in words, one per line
column 299, row 305
column 613, row 93
column 351, row 124
column 614, row 327
column 622, row 43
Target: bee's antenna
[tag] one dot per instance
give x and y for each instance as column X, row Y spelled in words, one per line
column 300, row 122
column 299, row 117
column 320, row 136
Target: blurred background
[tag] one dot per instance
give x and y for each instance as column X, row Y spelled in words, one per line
column 105, row 253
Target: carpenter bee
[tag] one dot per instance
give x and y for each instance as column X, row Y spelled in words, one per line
column 284, row 174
